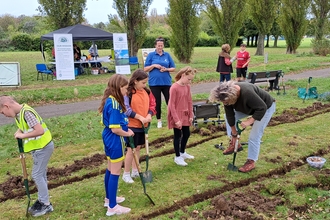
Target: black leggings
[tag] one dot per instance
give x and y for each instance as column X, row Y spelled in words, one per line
column 157, row 92
column 180, row 138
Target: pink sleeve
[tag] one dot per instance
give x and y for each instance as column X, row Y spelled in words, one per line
column 227, row 61
column 172, row 108
column 190, row 104
column 152, row 103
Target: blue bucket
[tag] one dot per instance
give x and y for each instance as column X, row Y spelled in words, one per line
column 76, row 71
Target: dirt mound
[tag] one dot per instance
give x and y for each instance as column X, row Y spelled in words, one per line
column 248, row 205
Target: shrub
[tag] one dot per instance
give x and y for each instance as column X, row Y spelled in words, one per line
column 5, row 45
column 35, row 44
column 321, row 47
column 149, row 41
column 22, row 42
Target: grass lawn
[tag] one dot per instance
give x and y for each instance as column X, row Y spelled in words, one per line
column 179, row 192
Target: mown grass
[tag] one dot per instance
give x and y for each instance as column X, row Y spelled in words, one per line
column 79, row 135
column 91, row 86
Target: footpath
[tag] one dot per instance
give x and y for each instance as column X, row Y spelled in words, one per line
column 55, row 110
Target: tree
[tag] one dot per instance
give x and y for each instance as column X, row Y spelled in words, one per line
column 206, row 24
column 3, row 34
column 158, row 25
column 250, row 31
column 133, row 14
column 275, row 31
column 6, row 21
column 62, row 13
column 115, row 24
column 27, row 24
column 100, row 25
column 182, row 17
column 227, row 17
column 263, row 14
column 293, row 22
column 320, row 9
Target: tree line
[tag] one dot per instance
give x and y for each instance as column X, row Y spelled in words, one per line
column 187, row 23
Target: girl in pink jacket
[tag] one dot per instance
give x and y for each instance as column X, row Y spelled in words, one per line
column 180, row 113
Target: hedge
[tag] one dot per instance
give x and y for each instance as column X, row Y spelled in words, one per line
column 25, row 42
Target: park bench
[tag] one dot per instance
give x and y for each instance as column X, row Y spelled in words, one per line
column 266, row 76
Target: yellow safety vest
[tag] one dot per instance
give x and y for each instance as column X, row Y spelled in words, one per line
column 34, row 143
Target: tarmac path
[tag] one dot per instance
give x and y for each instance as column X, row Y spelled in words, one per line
column 55, row 110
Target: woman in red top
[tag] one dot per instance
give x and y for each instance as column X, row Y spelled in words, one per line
column 180, row 113
column 243, row 59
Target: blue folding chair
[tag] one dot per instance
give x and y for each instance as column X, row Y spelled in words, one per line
column 134, row 61
column 42, row 69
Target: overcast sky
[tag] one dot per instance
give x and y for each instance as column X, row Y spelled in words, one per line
column 97, row 10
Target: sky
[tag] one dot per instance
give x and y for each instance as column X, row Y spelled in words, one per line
column 97, row 10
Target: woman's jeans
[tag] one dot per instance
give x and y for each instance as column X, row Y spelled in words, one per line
column 257, row 131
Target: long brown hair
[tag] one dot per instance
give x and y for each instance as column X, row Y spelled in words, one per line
column 186, row 71
column 137, row 75
column 116, row 82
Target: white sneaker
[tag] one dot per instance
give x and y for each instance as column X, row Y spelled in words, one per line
column 159, row 124
column 186, row 156
column 179, row 161
column 117, row 210
column 118, row 200
column 135, row 174
column 127, row 178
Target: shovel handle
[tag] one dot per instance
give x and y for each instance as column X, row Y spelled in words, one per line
column 147, row 143
column 239, row 130
column 131, row 142
column 20, row 145
column 136, row 160
column 146, row 129
column 22, row 157
column 308, row 84
column 135, row 157
column 310, row 79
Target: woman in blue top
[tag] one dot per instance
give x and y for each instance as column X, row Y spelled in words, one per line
column 159, row 64
column 115, row 130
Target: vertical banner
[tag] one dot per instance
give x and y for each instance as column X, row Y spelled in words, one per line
column 121, row 53
column 64, row 56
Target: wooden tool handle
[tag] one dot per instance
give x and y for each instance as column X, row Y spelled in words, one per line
column 22, row 158
column 147, row 143
column 136, row 160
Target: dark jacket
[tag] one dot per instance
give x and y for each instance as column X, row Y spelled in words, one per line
column 252, row 101
column 222, row 67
